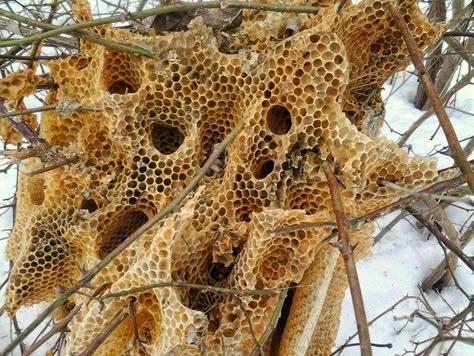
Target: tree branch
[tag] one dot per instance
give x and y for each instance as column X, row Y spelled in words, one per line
column 379, row 212
column 451, row 137
column 466, row 80
column 92, row 37
column 58, row 327
column 443, row 239
column 178, row 7
column 201, row 287
column 351, row 270
column 94, row 345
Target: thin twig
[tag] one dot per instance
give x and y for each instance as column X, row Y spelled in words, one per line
column 349, row 262
column 178, row 7
column 258, row 345
column 273, row 322
column 88, row 276
column 201, row 287
column 58, row 327
column 389, row 226
column 440, row 269
column 39, row 109
column 443, row 239
column 32, row 58
column 449, row 198
column 133, row 317
column 92, row 37
column 18, row 332
column 55, row 165
column 100, row 338
column 388, row 346
column 460, row 316
column 452, row 182
column 447, row 227
column 451, row 137
column 62, row 41
column 458, row 34
column 391, row 308
column 40, row 148
column 445, row 98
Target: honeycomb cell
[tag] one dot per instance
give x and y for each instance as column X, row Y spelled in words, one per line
column 166, row 139
column 279, row 120
column 118, row 229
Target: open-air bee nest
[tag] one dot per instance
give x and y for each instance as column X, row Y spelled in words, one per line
column 308, row 89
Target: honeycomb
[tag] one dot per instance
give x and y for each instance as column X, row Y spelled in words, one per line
column 12, row 89
column 307, row 96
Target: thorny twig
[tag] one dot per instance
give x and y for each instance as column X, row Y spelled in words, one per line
column 391, row 308
column 445, row 98
column 100, row 338
column 133, row 317
column 18, row 332
column 258, row 345
column 456, row 149
column 443, row 239
column 341, row 348
column 201, row 287
column 349, row 262
column 179, row 7
column 40, row 109
column 92, row 37
column 58, row 327
column 354, row 222
column 442, row 219
column 441, row 268
column 273, row 322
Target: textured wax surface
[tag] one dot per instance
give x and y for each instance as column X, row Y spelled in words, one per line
column 306, row 96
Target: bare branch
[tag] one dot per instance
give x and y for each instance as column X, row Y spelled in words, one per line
column 180, row 7
column 443, row 239
column 451, row 137
column 58, row 327
column 94, row 345
column 346, row 251
column 201, row 287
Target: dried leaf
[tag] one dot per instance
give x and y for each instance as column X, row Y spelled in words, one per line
column 218, row 19
column 221, row 19
column 177, row 21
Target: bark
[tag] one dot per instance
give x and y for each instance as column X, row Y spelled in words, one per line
column 437, row 13
column 450, row 61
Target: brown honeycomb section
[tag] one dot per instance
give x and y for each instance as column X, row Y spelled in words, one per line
column 118, row 229
column 12, row 89
column 120, row 74
column 303, row 98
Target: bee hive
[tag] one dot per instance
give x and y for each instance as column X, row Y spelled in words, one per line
column 308, row 96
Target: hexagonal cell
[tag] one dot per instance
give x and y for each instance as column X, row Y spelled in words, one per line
column 166, row 138
column 279, row 120
column 263, row 168
column 121, row 227
column 36, row 190
column 121, row 74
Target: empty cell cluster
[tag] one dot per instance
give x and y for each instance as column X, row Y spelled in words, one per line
column 12, row 90
column 307, row 97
